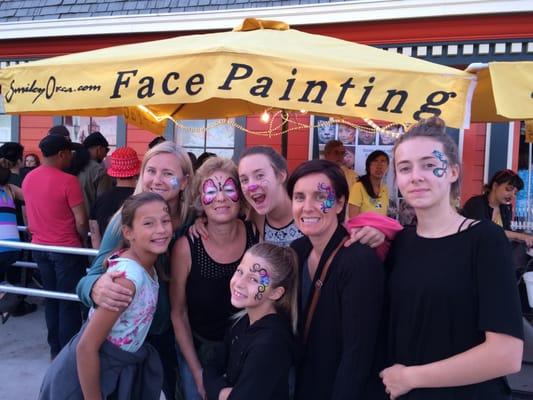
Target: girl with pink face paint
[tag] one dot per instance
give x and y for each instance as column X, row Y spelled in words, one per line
column 262, row 174
column 201, row 271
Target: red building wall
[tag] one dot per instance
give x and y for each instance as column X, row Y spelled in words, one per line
column 32, row 130
column 473, row 161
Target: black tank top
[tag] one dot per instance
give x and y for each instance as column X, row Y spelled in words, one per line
column 208, row 294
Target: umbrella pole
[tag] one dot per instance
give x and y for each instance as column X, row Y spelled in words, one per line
column 284, row 133
column 528, row 201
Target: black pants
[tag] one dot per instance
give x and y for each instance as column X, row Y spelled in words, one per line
column 164, row 344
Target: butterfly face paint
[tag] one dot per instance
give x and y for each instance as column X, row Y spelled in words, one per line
column 440, row 171
column 230, row 190
column 326, row 196
column 210, row 189
column 264, row 280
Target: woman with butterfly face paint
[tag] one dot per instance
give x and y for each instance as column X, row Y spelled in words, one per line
column 166, row 170
column 201, row 272
column 455, row 326
column 341, row 291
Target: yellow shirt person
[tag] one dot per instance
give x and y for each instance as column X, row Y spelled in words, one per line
column 360, row 198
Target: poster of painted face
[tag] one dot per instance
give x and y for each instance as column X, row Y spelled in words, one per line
column 346, row 134
column 326, row 133
column 366, row 137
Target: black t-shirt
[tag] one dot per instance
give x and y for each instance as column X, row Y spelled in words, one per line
column 445, row 293
column 107, row 205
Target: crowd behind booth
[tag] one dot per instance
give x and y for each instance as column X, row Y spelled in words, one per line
column 216, row 280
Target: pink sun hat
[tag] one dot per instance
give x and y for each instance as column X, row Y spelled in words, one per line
column 125, row 163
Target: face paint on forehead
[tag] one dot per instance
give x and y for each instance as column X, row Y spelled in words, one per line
column 440, row 171
column 264, row 279
column 329, row 194
column 209, row 191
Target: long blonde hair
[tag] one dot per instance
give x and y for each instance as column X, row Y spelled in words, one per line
column 168, row 147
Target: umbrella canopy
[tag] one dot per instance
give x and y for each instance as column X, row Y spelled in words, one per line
column 260, row 65
column 504, row 91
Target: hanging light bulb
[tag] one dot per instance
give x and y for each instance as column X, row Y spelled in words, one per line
column 265, row 117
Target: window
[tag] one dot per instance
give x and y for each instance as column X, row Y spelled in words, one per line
column 224, row 140
column 81, row 127
column 5, row 124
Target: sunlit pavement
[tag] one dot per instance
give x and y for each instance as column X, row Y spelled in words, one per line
column 24, row 355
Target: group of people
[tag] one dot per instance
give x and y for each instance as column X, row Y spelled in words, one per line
column 244, row 282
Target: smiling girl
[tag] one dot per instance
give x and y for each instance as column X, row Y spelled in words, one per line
column 109, row 352
column 455, row 327
column 260, row 346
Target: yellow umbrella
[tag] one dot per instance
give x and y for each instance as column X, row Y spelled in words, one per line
column 504, row 91
column 260, row 65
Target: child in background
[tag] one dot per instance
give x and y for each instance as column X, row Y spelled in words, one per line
column 107, row 354
column 260, row 344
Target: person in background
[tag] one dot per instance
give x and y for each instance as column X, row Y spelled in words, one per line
column 334, row 151
column 496, row 204
column 56, row 216
column 155, row 141
column 454, row 324
column 9, row 231
column 32, row 161
column 370, row 193
column 11, row 155
column 193, row 158
column 261, row 343
column 202, row 158
column 93, row 178
column 109, row 355
column 125, row 167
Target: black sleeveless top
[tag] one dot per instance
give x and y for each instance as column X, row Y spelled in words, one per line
column 208, row 294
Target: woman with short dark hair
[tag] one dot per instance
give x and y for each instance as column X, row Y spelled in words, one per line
column 341, row 291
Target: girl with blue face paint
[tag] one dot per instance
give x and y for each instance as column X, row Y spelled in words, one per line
column 453, row 297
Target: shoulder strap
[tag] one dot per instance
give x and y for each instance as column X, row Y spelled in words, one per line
column 461, row 226
column 318, row 288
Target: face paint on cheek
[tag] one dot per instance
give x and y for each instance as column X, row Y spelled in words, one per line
column 264, row 280
column 440, row 171
column 174, row 183
column 209, row 192
column 329, row 194
column 231, row 190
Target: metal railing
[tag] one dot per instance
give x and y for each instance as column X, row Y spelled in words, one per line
column 26, row 264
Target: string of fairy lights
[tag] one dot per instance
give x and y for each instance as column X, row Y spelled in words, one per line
column 278, row 122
